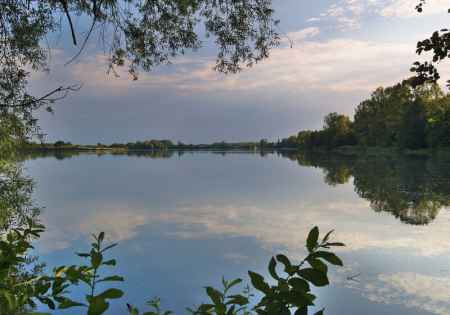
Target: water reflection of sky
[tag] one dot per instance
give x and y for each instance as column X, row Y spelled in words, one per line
column 184, row 222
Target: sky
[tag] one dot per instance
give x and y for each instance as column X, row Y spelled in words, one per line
column 341, row 51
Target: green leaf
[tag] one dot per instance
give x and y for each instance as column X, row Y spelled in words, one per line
column 313, row 236
column 111, row 262
column 68, row 303
column 237, row 299
column 258, row 282
column 319, row 312
column 97, row 306
column 101, row 237
column 231, row 311
column 318, row 264
column 327, row 236
column 272, row 269
column 111, row 278
column 204, row 308
column 96, row 259
column 299, row 284
column 302, row 311
column 336, row 244
column 111, row 294
column 214, row 295
column 330, row 257
column 220, row 309
column 234, row 282
column 108, row 247
column 288, row 268
column 301, row 299
column 132, row 310
column 316, row 277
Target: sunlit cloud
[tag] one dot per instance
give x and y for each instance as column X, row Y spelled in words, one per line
column 339, row 65
column 286, row 227
column 118, row 225
column 406, row 8
column 412, row 290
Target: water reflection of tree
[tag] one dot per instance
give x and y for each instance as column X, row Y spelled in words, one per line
column 67, row 154
column 18, row 274
column 413, row 189
column 16, row 204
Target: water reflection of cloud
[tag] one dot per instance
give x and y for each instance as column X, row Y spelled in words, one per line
column 286, row 226
column 419, row 291
column 119, row 225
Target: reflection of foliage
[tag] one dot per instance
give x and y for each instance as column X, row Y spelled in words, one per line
column 67, row 154
column 413, row 189
column 15, row 196
column 17, row 229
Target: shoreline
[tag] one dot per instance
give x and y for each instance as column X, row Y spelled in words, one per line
column 344, row 150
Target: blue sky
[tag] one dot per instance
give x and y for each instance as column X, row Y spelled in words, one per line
column 342, row 50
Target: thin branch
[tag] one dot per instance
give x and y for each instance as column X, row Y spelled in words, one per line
column 72, row 30
column 95, row 10
column 82, row 45
column 47, row 97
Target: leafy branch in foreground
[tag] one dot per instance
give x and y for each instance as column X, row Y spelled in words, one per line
column 289, row 290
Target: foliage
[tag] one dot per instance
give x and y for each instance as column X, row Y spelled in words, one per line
column 19, row 288
column 137, row 34
column 408, row 187
column 291, row 291
column 400, row 116
column 439, row 46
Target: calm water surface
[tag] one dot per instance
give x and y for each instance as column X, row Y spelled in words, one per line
column 184, row 221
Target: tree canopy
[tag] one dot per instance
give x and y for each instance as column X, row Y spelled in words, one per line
column 439, row 46
column 135, row 34
column 403, row 115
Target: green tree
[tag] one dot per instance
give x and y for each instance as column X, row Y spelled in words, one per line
column 338, row 129
column 143, row 34
column 438, row 44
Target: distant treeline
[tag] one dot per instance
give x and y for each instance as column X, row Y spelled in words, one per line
column 151, row 145
column 398, row 116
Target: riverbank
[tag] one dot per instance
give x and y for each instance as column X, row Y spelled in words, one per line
column 342, row 150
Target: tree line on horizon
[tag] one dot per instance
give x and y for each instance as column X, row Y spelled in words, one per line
column 403, row 116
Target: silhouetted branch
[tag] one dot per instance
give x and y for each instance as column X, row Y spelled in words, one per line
column 47, row 97
column 72, row 30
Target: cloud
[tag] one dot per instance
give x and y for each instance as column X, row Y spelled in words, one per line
column 286, row 227
column 406, row 8
column 412, row 290
column 347, row 14
column 338, row 65
column 118, row 225
column 306, row 33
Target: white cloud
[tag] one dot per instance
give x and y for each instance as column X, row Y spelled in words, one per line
column 286, row 227
column 118, row 225
column 306, row 33
column 424, row 292
column 406, row 8
column 339, row 65
column 348, row 15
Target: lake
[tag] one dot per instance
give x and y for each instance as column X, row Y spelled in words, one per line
column 184, row 220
